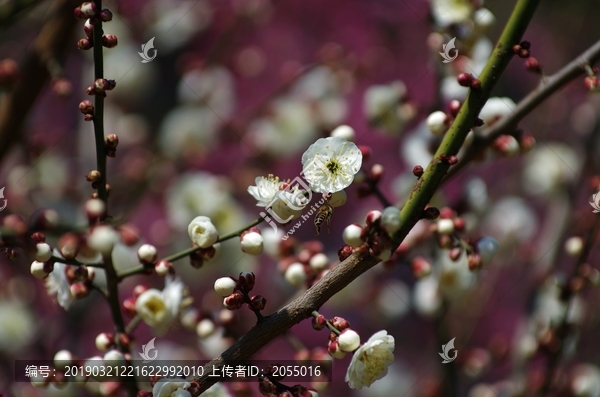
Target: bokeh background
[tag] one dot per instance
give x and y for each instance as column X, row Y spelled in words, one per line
column 240, row 89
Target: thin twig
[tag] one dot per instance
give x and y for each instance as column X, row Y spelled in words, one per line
column 547, row 87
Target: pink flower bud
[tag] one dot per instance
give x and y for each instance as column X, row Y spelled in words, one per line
column 376, row 172
column 90, row 117
column 592, row 83
column 418, row 171
column 258, row 302
column 139, row 289
column 88, row 28
column 68, row 245
column 78, row 14
column 373, row 217
column 129, row 306
column 88, row 8
column 79, row 290
column 11, row 253
column 162, row 268
column 112, row 141
column 474, row 261
column 38, row 237
column 455, row 253
column 109, row 40
column 100, row 85
column 420, row 267
column 104, row 341
column 533, row 65
column 85, row 44
column 9, row 73
column 524, row 53
column 340, row 323
column 344, row 253
column 234, row 301
column 106, row 15
column 62, row 88
column 366, row 152
column 454, row 107
column 94, row 209
column 319, row 322
column 465, row 79
column 246, row 281
column 334, row 350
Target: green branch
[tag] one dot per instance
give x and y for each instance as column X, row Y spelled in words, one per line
column 428, row 183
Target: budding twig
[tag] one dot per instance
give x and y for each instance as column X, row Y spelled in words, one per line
column 355, row 265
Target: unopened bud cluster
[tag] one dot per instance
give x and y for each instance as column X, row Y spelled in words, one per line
column 235, row 293
column 342, row 339
column 304, row 265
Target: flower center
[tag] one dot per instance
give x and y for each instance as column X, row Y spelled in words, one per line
column 333, row 166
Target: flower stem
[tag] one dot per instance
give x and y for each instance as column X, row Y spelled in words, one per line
column 428, row 183
column 99, row 109
column 189, row 251
column 327, row 323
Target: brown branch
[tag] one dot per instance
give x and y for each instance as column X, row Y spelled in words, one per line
column 49, row 44
column 301, row 308
column 547, row 87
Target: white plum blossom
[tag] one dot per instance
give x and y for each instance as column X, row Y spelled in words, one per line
column 344, row 131
column 329, row 164
column 265, row 190
column 352, row 235
column 586, row 381
column 383, row 108
column 496, row 108
column 450, row 12
column 427, row 298
column 252, row 243
column 295, row 274
column 103, row 239
column 349, row 340
column 166, row 387
column 370, row 362
column 159, row 308
column 290, row 128
column 390, row 219
column 225, row 286
column 549, row 167
column 19, row 325
column 436, row 122
column 202, row 232
column 203, row 193
column 188, row 130
column 211, row 88
column 511, row 219
column 57, row 284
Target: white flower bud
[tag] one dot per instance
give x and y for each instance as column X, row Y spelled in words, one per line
column 63, row 358
column 338, row 199
column 445, row 226
column 147, row 253
column 337, row 353
column 295, row 274
column 202, row 232
column 436, row 122
column 205, row 328
column 189, row 319
column 487, row 248
column 384, row 255
column 43, row 253
column 252, row 243
column 95, row 208
column 313, row 393
column 104, row 341
column 114, row 355
column 344, row 131
column 162, row 268
column 37, row 269
column 484, row 19
column 390, row 219
column 352, row 234
column 348, row 340
column 225, row 286
column 319, row 261
column 103, row 239
column 574, row 246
